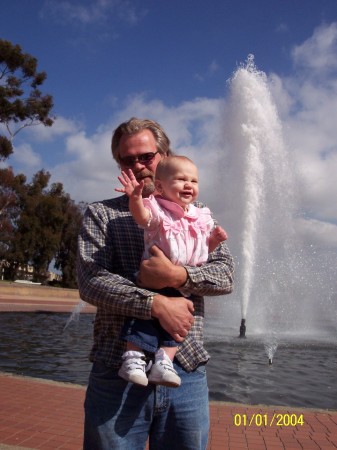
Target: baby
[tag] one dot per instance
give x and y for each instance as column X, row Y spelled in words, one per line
column 186, row 234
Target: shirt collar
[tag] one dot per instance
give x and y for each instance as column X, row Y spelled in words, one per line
column 177, row 209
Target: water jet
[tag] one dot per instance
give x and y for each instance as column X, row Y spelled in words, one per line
column 242, row 329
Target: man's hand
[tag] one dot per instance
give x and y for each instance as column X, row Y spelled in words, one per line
column 158, row 272
column 175, row 315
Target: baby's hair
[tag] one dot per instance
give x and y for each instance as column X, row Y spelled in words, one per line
column 166, row 164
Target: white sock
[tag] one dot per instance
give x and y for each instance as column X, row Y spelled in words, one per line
column 161, row 355
column 133, row 354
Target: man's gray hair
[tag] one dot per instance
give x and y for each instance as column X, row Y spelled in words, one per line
column 134, row 126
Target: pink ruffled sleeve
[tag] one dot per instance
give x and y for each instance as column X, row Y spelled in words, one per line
column 205, row 219
column 155, row 219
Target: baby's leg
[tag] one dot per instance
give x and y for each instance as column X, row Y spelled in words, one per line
column 170, row 351
column 132, row 346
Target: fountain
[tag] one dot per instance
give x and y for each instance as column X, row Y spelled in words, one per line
column 243, row 328
column 285, row 285
column 265, row 186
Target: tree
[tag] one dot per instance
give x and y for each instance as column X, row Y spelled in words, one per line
column 66, row 255
column 39, row 224
column 22, row 104
column 38, row 228
column 10, row 187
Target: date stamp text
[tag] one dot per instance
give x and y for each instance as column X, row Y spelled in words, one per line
column 268, row 420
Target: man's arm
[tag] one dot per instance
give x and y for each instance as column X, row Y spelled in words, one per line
column 212, row 278
column 158, row 272
column 175, row 315
column 98, row 283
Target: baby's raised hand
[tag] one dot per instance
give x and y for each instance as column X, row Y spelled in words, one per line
column 131, row 187
column 217, row 236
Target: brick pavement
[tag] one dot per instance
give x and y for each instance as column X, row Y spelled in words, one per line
column 48, row 415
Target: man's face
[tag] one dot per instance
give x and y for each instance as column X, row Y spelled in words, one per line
column 136, row 145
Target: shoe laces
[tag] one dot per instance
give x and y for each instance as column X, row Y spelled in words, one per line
column 167, row 365
column 136, row 363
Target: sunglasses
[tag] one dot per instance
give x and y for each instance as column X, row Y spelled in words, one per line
column 130, row 161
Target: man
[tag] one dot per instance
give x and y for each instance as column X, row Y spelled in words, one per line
column 121, row 415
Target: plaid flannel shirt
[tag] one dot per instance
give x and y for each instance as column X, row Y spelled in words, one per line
column 109, row 254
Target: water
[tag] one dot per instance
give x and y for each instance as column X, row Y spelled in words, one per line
column 285, row 285
column 259, row 166
column 36, row 344
column 303, row 373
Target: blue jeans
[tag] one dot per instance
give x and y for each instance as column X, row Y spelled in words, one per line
column 121, row 415
column 147, row 334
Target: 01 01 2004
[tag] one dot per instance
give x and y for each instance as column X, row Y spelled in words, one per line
column 267, row 420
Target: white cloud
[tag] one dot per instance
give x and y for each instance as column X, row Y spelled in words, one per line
column 94, row 11
column 313, row 230
column 66, row 11
column 128, row 12
column 214, row 67
column 89, row 176
column 282, row 28
column 318, row 53
column 60, row 127
column 209, row 72
column 92, row 175
column 308, row 105
column 25, row 156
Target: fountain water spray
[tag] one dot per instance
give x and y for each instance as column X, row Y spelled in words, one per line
column 243, row 328
column 257, row 153
column 270, row 348
column 75, row 314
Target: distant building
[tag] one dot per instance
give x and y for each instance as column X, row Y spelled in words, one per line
column 27, row 273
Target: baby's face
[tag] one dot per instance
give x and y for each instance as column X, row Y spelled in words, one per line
column 181, row 183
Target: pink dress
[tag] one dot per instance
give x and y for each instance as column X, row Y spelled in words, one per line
column 181, row 235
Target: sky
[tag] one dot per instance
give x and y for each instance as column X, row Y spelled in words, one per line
column 109, row 60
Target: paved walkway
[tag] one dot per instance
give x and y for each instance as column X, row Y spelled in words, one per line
column 14, row 302
column 48, row 415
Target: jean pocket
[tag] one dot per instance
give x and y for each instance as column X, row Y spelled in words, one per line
column 101, row 371
column 201, row 369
